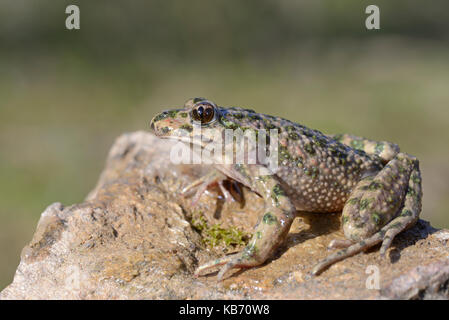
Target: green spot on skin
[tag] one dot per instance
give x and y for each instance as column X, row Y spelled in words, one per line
column 165, row 129
column 416, row 179
column 321, row 142
column 364, row 203
column 357, row 144
column 396, row 225
column 254, row 117
column 277, row 190
column 359, row 152
column 249, row 252
column 308, row 133
column 268, row 124
column 293, row 136
column 315, row 172
column 353, row 201
column 183, row 114
column 379, row 148
column 337, row 153
column 344, row 219
column 228, row 124
column 283, row 153
column 375, row 185
column 187, row 127
column 160, row 116
column 338, row 137
column 406, row 213
column 376, row 218
column 312, row 172
column 275, row 199
column 269, row 218
column 172, row 113
column 258, row 235
column 309, row 148
column 195, row 100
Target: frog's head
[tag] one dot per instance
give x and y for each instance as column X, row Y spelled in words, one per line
column 180, row 124
column 201, row 121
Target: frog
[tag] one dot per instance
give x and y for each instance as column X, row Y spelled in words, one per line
column 376, row 187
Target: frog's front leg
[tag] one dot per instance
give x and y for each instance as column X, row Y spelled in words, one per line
column 271, row 229
column 379, row 208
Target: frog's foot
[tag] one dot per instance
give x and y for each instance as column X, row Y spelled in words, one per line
column 227, row 195
column 235, row 191
column 201, row 185
column 385, row 235
column 379, row 208
column 236, row 260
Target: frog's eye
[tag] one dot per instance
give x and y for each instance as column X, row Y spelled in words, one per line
column 204, row 112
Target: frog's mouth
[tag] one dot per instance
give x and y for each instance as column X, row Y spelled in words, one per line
column 180, row 132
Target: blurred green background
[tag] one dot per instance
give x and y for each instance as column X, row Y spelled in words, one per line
column 66, row 95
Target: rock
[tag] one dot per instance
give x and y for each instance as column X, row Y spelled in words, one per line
column 133, row 238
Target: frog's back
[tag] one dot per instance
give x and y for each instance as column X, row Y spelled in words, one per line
column 317, row 171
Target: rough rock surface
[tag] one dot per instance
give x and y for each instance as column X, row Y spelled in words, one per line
column 133, row 239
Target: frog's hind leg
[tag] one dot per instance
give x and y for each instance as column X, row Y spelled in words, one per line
column 379, row 208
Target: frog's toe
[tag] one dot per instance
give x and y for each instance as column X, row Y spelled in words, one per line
column 204, row 182
column 228, row 266
column 213, row 178
column 347, row 252
column 388, row 239
column 188, row 190
column 384, row 235
column 201, row 189
column 237, row 261
column 339, row 243
column 230, row 262
column 214, row 263
column 226, row 194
